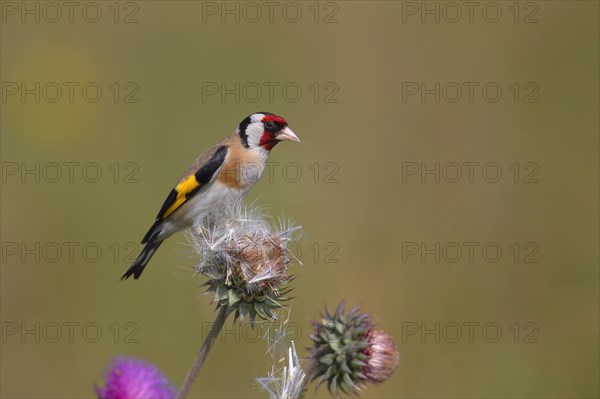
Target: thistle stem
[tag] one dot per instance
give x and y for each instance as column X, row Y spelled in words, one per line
column 210, row 339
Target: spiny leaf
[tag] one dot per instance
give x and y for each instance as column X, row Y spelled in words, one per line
column 233, row 297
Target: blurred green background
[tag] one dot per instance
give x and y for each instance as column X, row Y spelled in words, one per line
column 362, row 217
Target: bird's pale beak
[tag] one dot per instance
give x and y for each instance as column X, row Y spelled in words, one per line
column 286, row 134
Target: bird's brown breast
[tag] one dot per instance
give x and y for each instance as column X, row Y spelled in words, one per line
column 242, row 167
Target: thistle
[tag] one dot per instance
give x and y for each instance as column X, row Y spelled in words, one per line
column 348, row 352
column 287, row 382
column 246, row 261
column 130, row 378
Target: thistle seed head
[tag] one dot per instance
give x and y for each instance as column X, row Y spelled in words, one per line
column 286, row 382
column 246, row 260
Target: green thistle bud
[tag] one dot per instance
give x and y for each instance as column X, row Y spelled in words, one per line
column 348, row 352
column 246, row 261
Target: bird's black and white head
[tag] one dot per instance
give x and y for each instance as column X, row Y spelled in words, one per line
column 263, row 130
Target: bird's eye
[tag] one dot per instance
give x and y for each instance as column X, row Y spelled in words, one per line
column 269, row 125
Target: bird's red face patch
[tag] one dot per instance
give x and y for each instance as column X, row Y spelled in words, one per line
column 274, row 118
column 273, row 124
column 268, row 141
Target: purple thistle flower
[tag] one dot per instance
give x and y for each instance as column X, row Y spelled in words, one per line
column 130, row 378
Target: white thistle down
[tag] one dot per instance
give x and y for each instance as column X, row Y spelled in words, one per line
column 286, row 383
column 245, row 258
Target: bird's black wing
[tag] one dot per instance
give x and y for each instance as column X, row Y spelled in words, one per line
column 198, row 175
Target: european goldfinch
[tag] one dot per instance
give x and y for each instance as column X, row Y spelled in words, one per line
column 224, row 172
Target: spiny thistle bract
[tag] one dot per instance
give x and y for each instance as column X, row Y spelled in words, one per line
column 246, row 261
column 130, row 378
column 348, row 352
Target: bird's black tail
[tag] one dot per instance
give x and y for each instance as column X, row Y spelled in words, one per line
column 140, row 263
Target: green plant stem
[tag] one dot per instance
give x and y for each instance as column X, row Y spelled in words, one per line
column 192, row 374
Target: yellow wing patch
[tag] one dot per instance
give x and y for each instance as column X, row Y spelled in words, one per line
column 183, row 189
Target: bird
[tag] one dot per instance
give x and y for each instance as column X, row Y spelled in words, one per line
column 225, row 171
